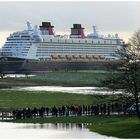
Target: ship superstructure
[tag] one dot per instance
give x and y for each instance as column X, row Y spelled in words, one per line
column 42, row 44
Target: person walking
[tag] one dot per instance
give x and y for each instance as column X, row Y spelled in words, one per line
column 108, row 109
column 104, row 109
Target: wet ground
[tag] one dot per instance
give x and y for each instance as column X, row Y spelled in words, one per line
column 78, row 90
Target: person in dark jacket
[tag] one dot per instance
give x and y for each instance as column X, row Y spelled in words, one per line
column 104, row 108
column 108, row 109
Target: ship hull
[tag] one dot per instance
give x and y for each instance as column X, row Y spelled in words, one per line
column 37, row 67
column 17, row 65
column 11, row 65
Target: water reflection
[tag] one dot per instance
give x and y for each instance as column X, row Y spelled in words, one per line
column 60, row 126
column 78, row 90
column 54, row 131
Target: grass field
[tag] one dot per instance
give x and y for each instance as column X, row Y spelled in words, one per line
column 91, row 78
column 81, row 78
column 20, row 99
column 122, row 127
column 115, row 126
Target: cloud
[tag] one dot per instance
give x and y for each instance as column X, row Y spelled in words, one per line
column 108, row 16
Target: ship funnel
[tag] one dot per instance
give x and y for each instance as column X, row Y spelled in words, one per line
column 47, row 28
column 77, row 31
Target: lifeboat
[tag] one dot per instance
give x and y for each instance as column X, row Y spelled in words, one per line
column 96, row 57
column 68, row 56
column 82, row 56
column 54, row 56
column 89, row 56
column 75, row 56
column 61, row 56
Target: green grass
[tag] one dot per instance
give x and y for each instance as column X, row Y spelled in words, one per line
column 88, row 78
column 72, row 77
column 115, row 126
column 20, row 99
column 118, row 127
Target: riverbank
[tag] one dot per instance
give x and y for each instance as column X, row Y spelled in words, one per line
column 115, row 126
column 80, row 78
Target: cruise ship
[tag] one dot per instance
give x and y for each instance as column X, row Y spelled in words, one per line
column 40, row 49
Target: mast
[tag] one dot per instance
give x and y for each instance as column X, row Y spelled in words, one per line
column 95, row 33
column 29, row 26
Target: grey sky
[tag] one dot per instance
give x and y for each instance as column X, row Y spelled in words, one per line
column 108, row 16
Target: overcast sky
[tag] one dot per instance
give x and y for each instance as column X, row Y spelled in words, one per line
column 121, row 17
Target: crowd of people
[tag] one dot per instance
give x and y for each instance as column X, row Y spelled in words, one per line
column 70, row 110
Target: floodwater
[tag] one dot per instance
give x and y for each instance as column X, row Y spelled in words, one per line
column 17, row 75
column 50, row 131
column 77, row 90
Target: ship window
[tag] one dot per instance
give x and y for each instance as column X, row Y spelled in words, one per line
column 92, row 42
column 50, row 40
column 79, row 41
column 25, row 36
column 85, row 41
column 98, row 42
column 104, row 42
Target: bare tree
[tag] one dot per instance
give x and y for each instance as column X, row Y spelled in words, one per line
column 126, row 75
